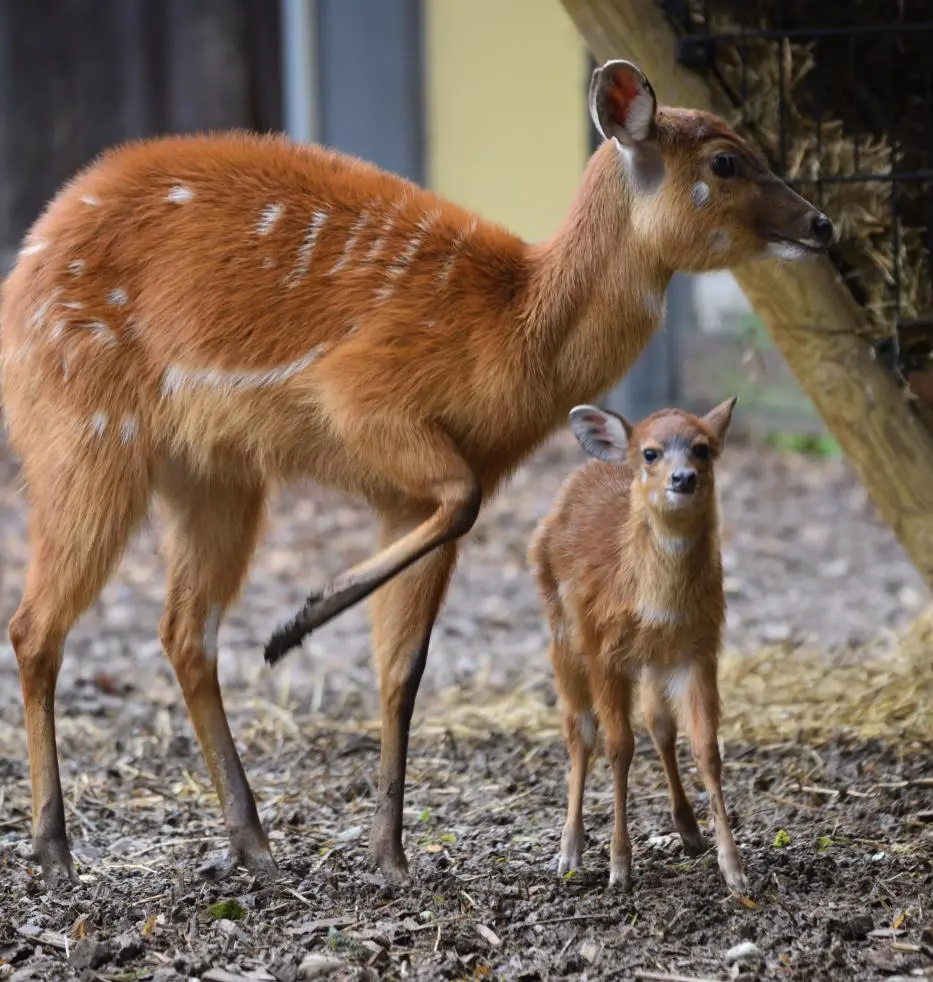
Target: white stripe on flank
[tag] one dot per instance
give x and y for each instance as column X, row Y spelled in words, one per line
column 355, row 230
column 268, row 218
column 177, row 379
column 459, row 242
column 307, row 247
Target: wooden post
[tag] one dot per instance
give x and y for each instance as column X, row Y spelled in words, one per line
column 806, row 306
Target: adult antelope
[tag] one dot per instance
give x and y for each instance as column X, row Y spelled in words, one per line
column 198, row 317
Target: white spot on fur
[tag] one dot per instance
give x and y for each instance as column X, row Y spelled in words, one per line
column 654, row 301
column 586, row 727
column 76, row 267
column 129, row 427
column 303, row 260
column 33, row 248
column 73, row 305
column 101, row 331
column 676, row 544
column 678, row 682
column 657, row 617
column 90, row 200
column 268, row 262
column 117, row 297
column 38, row 318
column 211, row 630
column 355, row 229
column 179, row 194
column 177, row 379
column 719, row 239
column 700, row 194
column 99, row 422
column 58, row 330
column 268, row 218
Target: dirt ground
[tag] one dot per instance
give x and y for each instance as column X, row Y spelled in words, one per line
column 837, row 836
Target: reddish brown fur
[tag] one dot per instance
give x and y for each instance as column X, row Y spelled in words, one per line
column 418, row 375
column 633, row 592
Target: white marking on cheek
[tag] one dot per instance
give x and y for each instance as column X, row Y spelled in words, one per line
column 644, row 476
column 177, row 379
column 303, row 260
column 355, row 229
column 129, row 427
column 268, row 218
column 76, row 267
column 700, row 194
column 657, row 617
column 179, row 194
column 90, row 200
column 117, row 297
column 211, row 631
column 33, row 248
column 653, row 497
column 720, row 240
column 788, row 251
column 99, row 423
column 586, row 727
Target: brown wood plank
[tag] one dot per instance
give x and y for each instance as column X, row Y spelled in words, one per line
column 806, row 307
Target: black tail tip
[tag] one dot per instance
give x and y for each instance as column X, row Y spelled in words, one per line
column 278, row 646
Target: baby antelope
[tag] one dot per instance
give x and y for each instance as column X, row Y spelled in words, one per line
column 629, row 568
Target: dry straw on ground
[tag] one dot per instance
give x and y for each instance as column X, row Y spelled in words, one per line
column 883, row 692
column 824, row 87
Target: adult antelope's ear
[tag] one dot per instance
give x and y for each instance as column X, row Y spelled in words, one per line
column 601, row 434
column 623, row 103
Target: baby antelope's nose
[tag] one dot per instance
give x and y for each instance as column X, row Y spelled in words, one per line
column 821, row 228
column 684, row 480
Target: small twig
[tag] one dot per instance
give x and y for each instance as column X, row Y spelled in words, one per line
column 666, row 977
column 571, row 917
column 437, row 940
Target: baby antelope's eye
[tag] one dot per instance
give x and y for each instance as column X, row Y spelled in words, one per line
column 650, row 454
column 724, row 164
column 701, row 451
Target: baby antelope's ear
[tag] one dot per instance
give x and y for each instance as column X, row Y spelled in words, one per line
column 602, row 434
column 719, row 418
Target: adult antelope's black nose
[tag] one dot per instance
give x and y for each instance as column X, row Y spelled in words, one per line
column 684, row 480
column 821, row 228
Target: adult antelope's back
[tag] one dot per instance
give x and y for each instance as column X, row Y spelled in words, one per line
column 195, row 317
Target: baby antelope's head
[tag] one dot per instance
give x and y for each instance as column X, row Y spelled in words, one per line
column 670, row 455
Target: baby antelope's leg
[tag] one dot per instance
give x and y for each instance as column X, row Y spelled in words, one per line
column 615, row 712
column 580, row 729
column 703, row 703
column 662, row 725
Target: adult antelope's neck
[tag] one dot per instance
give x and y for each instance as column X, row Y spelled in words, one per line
column 596, row 289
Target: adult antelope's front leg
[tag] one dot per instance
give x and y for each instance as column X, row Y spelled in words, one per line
column 419, row 463
column 403, row 613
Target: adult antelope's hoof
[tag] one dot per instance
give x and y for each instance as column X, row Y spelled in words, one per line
column 58, row 869
column 389, row 858
column 258, row 861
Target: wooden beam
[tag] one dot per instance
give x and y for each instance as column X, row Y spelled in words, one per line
column 807, row 308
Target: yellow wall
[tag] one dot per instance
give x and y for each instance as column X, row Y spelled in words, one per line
column 507, row 123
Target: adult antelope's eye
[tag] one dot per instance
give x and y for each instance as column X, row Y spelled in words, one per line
column 701, row 451
column 724, row 165
column 650, row 454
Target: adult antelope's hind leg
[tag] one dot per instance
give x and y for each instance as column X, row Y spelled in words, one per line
column 403, row 614
column 212, row 531
column 80, row 518
column 418, row 462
